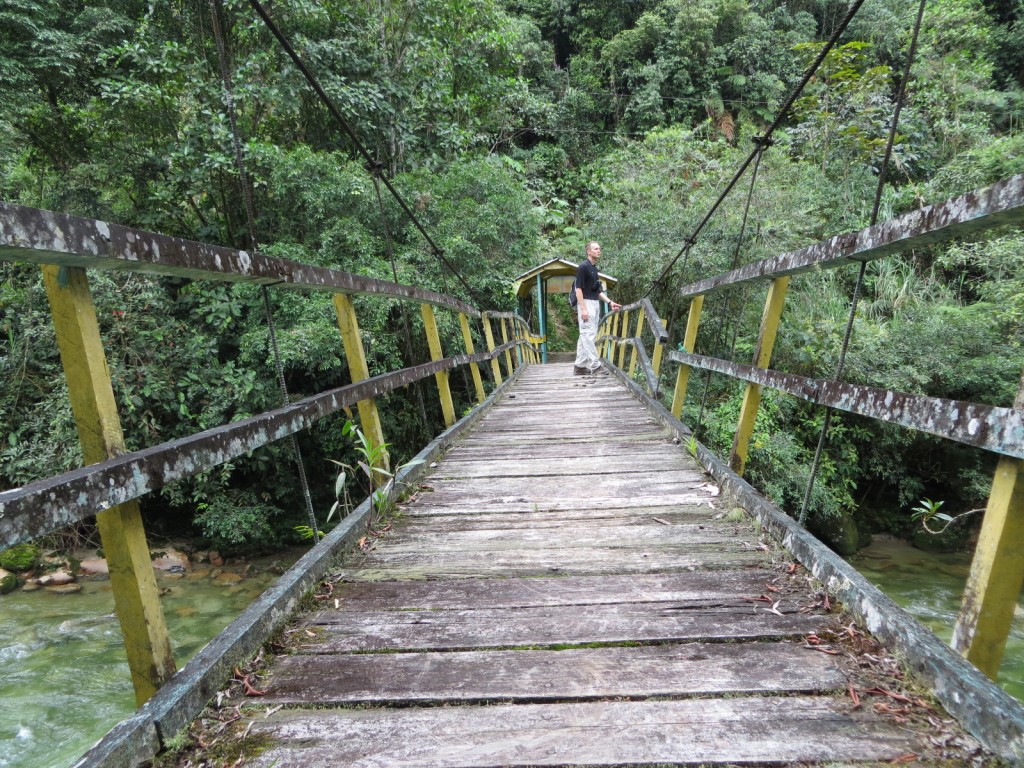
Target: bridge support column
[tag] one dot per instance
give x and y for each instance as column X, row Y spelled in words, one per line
column 441, row 377
column 542, row 316
column 509, row 365
column 773, row 307
column 659, row 350
column 467, row 338
column 613, row 330
column 637, row 334
column 132, row 578
column 997, row 571
column 369, row 417
column 689, row 339
column 489, row 337
column 624, row 334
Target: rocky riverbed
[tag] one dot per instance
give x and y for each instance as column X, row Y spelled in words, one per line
column 64, row 679
column 64, row 573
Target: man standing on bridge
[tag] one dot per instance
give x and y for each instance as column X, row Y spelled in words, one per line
column 589, row 294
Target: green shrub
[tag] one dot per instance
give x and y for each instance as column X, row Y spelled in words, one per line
column 238, row 521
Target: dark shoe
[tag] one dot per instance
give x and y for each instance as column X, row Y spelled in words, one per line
column 598, row 371
column 577, row 371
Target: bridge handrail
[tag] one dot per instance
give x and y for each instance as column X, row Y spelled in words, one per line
column 650, row 377
column 1001, row 203
column 653, row 319
column 38, row 236
column 991, row 428
column 47, row 505
column 611, row 339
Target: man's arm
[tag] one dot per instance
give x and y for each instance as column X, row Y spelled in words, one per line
column 580, row 303
column 604, row 297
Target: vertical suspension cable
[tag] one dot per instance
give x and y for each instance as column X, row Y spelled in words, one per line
column 854, row 300
column 375, row 171
column 250, row 215
column 762, row 144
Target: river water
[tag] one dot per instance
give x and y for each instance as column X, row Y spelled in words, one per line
column 929, row 587
column 64, row 680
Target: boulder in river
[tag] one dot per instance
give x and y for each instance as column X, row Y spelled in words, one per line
column 56, row 579
column 8, row 581
column 94, row 566
column 64, row 589
column 172, row 560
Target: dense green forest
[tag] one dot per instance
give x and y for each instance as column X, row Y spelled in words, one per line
column 517, row 129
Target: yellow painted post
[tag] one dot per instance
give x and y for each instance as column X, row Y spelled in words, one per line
column 441, row 377
column 773, row 307
column 509, row 366
column 623, row 334
column 659, row 350
column 517, row 334
column 489, row 337
column 689, row 340
column 534, row 346
column 132, row 579
column 531, row 351
column 997, row 571
column 613, row 330
column 369, row 418
column 639, row 335
column 473, row 367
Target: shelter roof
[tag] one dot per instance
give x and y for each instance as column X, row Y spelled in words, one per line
column 556, row 268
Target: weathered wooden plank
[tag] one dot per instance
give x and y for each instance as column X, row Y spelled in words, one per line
column 430, row 503
column 690, row 519
column 992, row 428
column 622, row 486
column 571, row 463
column 459, row 565
column 693, row 669
column 652, row 536
column 556, row 448
column 38, row 508
column 348, row 631
column 698, row 588
column 695, row 732
column 525, row 429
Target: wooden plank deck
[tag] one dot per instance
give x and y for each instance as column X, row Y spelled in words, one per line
column 567, row 589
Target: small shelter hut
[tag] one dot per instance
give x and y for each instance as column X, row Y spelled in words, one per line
column 535, row 285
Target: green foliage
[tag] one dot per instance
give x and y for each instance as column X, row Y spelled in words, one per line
column 927, row 510
column 237, row 520
column 21, row 557
column 517, row 131
column 843, row 114
column 378, row 482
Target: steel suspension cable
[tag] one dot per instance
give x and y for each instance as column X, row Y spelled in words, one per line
column 390, row 249
column 437, row 251
column 854, row 300
column 250, row 215
column 766, row 136
column 761, row 146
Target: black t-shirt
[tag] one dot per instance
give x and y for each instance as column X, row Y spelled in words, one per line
column 588, row 279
